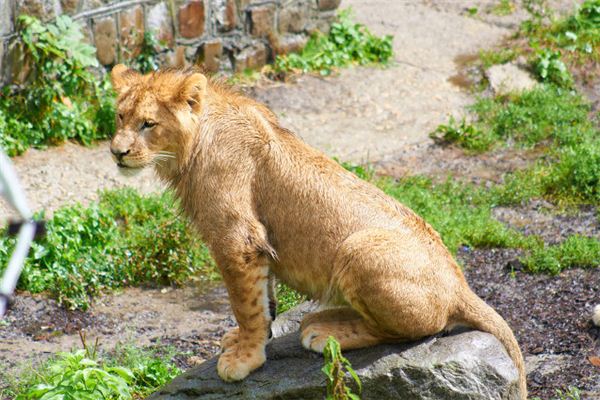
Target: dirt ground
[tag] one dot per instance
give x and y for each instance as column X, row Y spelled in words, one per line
column 382, row 116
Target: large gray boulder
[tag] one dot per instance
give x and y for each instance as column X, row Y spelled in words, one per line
column 466, row 365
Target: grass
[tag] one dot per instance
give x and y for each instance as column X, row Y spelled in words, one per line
column 523, row 119
column 123, row 239
column 549, row 117
column 126, row 373
column 504, row 7
column 347, row 43
column 499, row 56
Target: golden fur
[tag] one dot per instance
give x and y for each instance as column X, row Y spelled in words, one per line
column 266, row 203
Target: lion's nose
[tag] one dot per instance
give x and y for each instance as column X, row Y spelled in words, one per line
column 119, row 153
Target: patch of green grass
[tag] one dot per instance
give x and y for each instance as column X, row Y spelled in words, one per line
column 504, row 7
column 62, row 98
column 526, row 119
column 124, row 239
column 494, row 57
column 127, row 373
column 568, row 169
column 347, row 43
column 576, row 251
column 460, row 212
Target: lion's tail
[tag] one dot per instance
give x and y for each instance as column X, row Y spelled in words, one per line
column 475, row 313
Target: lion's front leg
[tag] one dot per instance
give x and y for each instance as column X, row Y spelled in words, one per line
column 244, row 347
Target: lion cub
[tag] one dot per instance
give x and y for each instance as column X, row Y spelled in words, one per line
column 267, row 203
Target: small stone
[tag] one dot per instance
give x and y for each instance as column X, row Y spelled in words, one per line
column 262, row 20
column 252, row 57
column 209, row 55
column 508, row 78
column 105, row 39
column 131, row 27
column 191, row 19
column 159, row 22
column 326, row 5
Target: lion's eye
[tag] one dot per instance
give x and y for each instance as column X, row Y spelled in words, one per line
column 148, row 125
column 121, row 117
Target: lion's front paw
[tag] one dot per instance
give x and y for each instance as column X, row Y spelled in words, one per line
column 229, row 339
column 236, row 363
column 314, row 337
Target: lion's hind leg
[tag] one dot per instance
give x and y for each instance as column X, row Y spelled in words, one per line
column 344, row 324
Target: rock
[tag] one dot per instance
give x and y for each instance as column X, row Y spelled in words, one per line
column 289, row 321
column 467, row 365
column 507, row 78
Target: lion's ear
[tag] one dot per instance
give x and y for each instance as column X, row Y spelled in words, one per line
column 122, row 77
column 192, row 90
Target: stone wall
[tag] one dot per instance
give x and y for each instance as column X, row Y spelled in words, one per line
column 216, row 34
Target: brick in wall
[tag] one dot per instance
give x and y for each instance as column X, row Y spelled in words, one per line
column 262, row 20
column 158, row 21
column 191, row 19
column 131, row 32
column 209, row 55
column 105, row 39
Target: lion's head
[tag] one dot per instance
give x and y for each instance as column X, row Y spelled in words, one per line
column 157, row 116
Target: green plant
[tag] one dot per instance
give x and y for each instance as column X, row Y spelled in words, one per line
column 335, row 369
column 347, row 42
column 124, row 239
column 61, row 99
column 77, row 376
column 146, row 59
column 550, row 68
column 462, row 133
column 126, row 373
column 151, row 368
